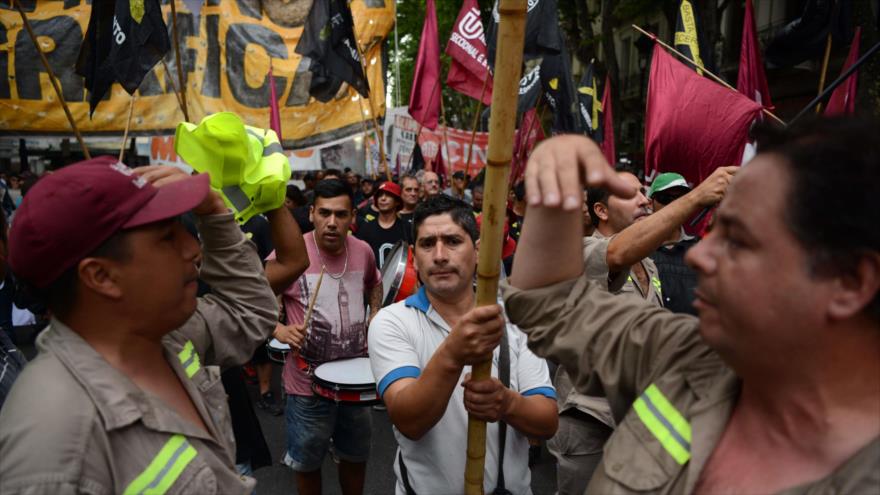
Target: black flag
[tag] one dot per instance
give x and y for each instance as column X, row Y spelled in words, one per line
column 542, row 31
column 558, row 84
column 805, row 37
column 124, row 40
column 418, row 159
column 329, row 47
column 687, row 37
column 589, row 104
column 529, row 90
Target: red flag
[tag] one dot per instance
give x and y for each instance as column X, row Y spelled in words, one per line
column 529, row 133
column 608, row 147
column 274, row 114
column 692, row 124
column 752, row 81
column 843, row 99
column 469, row 67
column 424, row 100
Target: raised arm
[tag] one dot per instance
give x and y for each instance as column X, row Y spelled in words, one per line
column 640, row 239
column 291, row 259
column 549, row 249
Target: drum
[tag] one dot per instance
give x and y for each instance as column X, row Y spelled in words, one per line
column 277, row 350
column 348, row 381
column 399, row 277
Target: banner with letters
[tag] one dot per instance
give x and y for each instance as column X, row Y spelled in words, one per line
column 226, row 50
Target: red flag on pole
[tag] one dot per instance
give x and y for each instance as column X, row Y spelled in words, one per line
column 529, row 133
column 424, row 100
column 843, row 99
column 608, row 147
column 469, row 67
column 274, row 114
column 752, row 81
column 692, row 124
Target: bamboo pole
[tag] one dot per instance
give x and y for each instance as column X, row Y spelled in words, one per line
column 53, row 80
column 178, row 59
column 706, row 71
column 502, row 124
column 467, row 162
column 824, row 72
column 127, row 126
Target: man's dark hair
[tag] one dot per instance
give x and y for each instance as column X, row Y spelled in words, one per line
column 831, row 204
column 331, row 188
column 462, row 214
column 333, row 171
column 295, row 194
column 60, row 296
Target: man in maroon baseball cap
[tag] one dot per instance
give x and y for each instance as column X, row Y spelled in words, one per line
column 125, row 395
column 388, row 228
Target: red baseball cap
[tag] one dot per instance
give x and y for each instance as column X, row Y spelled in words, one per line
column 70, row 213
column 390, row 188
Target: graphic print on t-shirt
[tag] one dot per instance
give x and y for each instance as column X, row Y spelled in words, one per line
column 337, row 327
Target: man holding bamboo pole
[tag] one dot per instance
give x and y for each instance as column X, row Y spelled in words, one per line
column 420, row 350
column 782, row 363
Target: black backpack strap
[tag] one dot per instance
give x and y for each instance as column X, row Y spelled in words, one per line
column 504, row 376
column 404, row 477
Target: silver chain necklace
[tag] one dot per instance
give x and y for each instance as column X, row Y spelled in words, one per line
column 324, row 265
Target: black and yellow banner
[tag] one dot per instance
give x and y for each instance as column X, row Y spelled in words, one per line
column 226, row 52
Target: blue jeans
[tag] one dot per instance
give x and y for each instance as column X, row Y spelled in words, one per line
column 311, row 424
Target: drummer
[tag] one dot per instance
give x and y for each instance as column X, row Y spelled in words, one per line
column 388, row 229
column 337, row 330
column 420, row 350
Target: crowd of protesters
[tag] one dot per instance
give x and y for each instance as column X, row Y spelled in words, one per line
column 650, row 358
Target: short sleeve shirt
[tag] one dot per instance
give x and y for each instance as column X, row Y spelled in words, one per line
column 337, row 329
column 403, row 338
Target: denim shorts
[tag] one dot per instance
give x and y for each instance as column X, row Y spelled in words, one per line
column 311, row 424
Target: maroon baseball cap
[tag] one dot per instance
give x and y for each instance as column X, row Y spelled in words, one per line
column 70, row 213
column 390, row 188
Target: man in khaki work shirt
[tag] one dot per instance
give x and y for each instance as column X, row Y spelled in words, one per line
column 125, row 395
column 774, row 388
column 616, row 258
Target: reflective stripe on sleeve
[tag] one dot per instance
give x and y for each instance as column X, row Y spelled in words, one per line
column 189, row 359
column 665, row 423
column 164, row 469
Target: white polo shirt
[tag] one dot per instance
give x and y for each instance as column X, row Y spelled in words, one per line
column 402, row 339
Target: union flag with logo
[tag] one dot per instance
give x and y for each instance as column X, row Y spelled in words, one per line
column 469, row 68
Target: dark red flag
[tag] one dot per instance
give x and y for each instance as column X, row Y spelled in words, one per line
column 424, row 99
column 274, row 114
column 608, row 147
column 692, row 125
column 469, row 67
column 843, row 99
column 529, row 133
column 752, row 81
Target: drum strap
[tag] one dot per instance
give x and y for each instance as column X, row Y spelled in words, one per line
column 504, row 376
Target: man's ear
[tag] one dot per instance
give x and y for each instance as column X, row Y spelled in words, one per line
column 856, row 290
column 311, row 213
column 101, row 276
column 601, row 211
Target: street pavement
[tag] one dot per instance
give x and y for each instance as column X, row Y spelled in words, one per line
column 279, row 479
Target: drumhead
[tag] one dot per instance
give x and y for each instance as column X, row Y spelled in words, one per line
column 347, row 372
column 279, row 346
column 392, row 272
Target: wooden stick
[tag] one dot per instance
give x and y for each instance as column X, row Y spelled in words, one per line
column 706, row 71
column 445, row 144
column 502, row 124
column 379, row 135
column 824, row 70
column 53, row 80
column 308, row 319
column 171, row 82
column 467, row 163
column 127, row 126
column 368, row 158
column 178, row 59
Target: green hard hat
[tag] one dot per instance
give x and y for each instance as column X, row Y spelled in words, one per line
column 246, row 164
column 665, row 181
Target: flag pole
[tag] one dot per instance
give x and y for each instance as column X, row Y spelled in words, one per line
column 419, row 131
column 824, row 69
column 127, row 126
column 177, row 58
column 173, row 86
column 368, row 158
column 709, row 73
column 445, row 142
column 379, row 136
column 52, row 79
column 837, row 82
column 467, row 163
column 502, row 124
